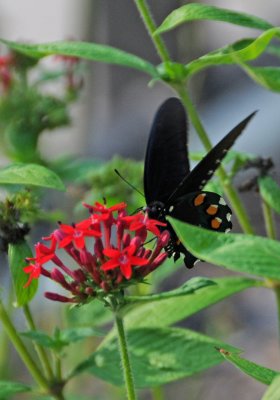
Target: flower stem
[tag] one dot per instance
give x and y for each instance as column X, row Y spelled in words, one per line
column 21, row 349
column 40, row 351
column 150, row 25
column 269, row 223
column 127, row 371
column 230, row 191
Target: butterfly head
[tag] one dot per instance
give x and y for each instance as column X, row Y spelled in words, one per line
column 156, row 210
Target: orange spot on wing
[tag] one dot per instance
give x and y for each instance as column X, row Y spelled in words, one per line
column 199, row 199
column 216, row 223
column 212, row 209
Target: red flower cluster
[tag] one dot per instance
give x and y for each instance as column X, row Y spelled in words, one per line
column 116, row 256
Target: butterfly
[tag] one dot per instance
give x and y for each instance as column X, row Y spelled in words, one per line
column 171, row 189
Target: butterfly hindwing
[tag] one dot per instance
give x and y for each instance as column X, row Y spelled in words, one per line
column 206, row 209
column 166, row 161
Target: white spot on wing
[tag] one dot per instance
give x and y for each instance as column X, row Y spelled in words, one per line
column 228, row 216
column 222, row 202
column 171, row 208
column 227, row 230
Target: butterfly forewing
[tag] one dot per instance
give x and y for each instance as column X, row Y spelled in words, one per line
column 205, row 169
column 166, row 161
column 171, row 189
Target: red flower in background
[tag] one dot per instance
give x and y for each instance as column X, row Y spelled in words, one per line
column 105, row 265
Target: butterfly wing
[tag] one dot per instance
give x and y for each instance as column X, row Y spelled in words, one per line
column 205, row 169
column 205, row 209
column 166, row 161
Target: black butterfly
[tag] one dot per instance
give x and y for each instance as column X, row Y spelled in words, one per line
column 172, row 189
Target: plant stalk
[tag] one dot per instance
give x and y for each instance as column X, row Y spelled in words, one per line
column 22, row 350
column 268, row 219
column 150, row 25
column 180, row 89
column 40, row 351
column 126, row 365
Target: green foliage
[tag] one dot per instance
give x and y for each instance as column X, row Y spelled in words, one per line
column 104, row 182
column 158, row 355
column 9, row 388
column 16, row 256
column 236, row 53
column 269, row 77
column 244, row 253
column 62, row 338
column 88, row 51
column 194, row 12
column 273, row 392
column 258, row 372
column 26, row 113
column 30, row 175
column 270, row 192
column 168, row 311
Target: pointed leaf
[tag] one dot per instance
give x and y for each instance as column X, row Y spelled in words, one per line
column 270, row 192
column 85, row 50
column 10, row 388
column 273, row 392
column 256, row 371
column 158, row 356
column 238, row 52
column 195, row 11
column 244, row 253
column 268, row 77
column 16, row 257
column 30, row 175
column 164, row 312
column 189, row 287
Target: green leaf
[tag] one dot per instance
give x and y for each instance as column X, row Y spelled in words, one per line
column 62, row 338
column 256, row 371
column 164, row 312
column 158, row 356
column 30, row 174
column 268, row 77
column 238, row 52
column 93, row 314
column 75, row 170
column 270, row 192
column 10, row 388
column 195, row 11
column 189, row 287
column 85, row 50
column 244, row 253
column 16, row 257
column 273, row 392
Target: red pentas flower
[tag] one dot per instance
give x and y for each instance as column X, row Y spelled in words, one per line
column 108, row 249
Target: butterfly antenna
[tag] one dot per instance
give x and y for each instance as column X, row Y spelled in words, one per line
column 128, row 183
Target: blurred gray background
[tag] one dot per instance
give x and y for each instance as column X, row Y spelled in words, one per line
column 118, row 104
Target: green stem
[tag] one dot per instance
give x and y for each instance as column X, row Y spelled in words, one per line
column 40, row 351
column 127, row 371
column 150, row 25
column 58, row 370
column 230, row 191
column 269, row 223
column 21, row 349
column 277, row 293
